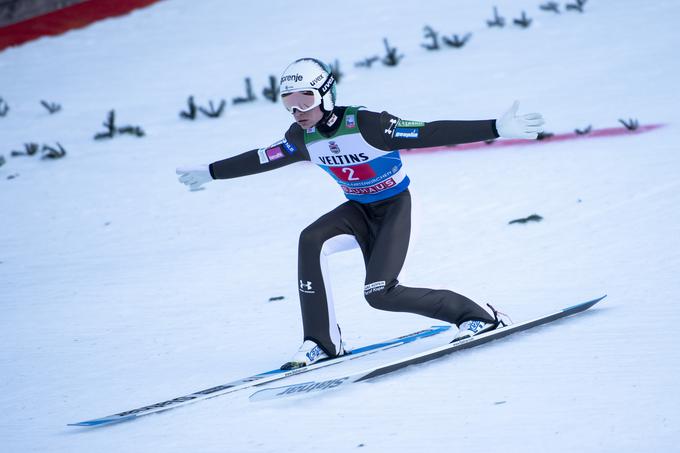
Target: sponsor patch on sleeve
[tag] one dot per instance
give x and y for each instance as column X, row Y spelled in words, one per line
column 409, row 123
column 390, row 128
column 262, row 154
column 267, row 155
column 289, row 147
column 402, row 132
column 274, row 153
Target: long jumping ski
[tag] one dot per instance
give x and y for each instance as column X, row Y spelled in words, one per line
column 258, row 379
column 426, row 356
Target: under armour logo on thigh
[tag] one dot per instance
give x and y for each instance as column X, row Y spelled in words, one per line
column 306, row 287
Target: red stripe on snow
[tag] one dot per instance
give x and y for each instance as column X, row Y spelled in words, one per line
column 608, row 132
column 65, row 19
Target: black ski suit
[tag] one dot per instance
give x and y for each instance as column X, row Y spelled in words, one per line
column 360, row 150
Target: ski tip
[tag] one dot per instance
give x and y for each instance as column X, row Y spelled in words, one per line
column 594, row 301
column 584, row 305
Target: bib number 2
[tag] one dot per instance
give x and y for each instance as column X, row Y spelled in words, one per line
column 350, row 174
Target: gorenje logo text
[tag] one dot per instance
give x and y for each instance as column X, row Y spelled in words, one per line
column 292, row 78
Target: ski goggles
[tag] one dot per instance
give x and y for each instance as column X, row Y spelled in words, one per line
column 303, row 101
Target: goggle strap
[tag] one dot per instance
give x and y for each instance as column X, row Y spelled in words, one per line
column 327, row 85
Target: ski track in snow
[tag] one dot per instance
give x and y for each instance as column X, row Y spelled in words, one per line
column 120, row 288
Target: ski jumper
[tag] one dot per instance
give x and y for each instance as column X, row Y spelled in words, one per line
column 359, row 149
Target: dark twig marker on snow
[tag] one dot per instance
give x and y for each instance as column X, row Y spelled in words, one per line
column 551, row 6
column 367, row 62
column 433, row 36
column 456, row 41
column 531, row 218
column 631, row 124
column 4, row 107
column 391, row 59
column 190, row 114
column 335, row 69
column 110, row 125
column 578, row 6
column 131, row 130
column 29, row 150
column 112, row 130
column 249, row 97
column 211, row 111
column 51, row 107
column 271, row 92
column 497, row 21
column 50, row 152
column 523, row 21
column 544, row 135
column 585, row 131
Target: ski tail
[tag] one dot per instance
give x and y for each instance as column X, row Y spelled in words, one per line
column 259, row 379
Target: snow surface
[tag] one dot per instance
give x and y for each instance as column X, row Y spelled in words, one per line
column 120, row 288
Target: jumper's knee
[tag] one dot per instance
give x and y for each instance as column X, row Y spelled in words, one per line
column 311, row 238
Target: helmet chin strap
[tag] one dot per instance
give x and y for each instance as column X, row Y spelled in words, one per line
column 328, row 119
column 324, row 91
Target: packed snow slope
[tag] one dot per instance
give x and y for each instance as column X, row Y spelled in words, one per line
column 120, row 288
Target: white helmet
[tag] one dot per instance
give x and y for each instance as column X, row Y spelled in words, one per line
column 309, row 74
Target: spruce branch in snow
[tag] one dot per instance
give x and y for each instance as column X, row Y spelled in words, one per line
column 551, row 6
column 391, row 59
column 585, row 131
column 456, row 41
column 367, row 62
column 4, row 107
column 249, row 97
column 631, row 124
column 51, row 107
column 272, row 91
column 335, row 69
column 2, row 160
column 578, row 6
column 433, row 36
column 190, row 114
column 112, row 130
column 132, row 130
column 213, row 112
column 523, row 21
column 50, row 152
column 29, row 150
column 497, row 21
column 110, row 125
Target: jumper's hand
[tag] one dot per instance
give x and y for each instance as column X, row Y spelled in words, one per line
column 194, row 177
column 511, row 125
